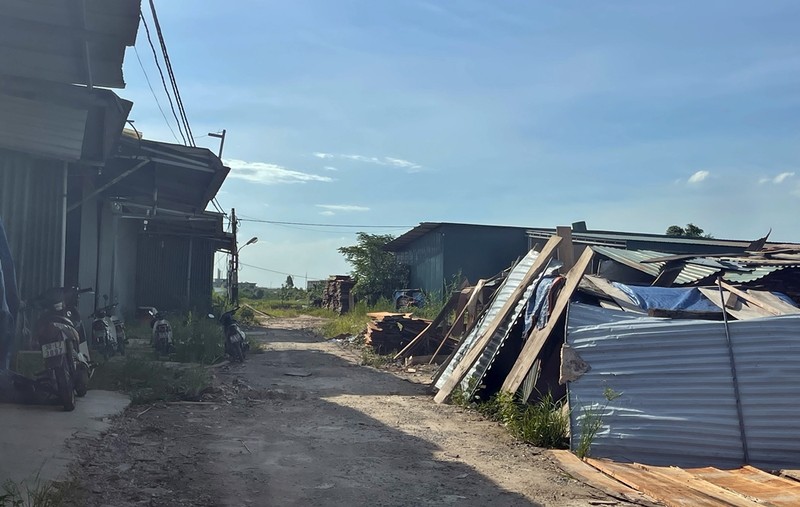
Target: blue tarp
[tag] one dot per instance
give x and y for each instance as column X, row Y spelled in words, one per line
column 668, row 298
column 9, row 300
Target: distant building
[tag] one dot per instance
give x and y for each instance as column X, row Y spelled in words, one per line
column 436, row 252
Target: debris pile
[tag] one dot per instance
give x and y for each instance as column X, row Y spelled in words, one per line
column 337, row 295
column 389, row 332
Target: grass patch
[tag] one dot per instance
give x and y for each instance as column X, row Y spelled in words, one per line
column 286, row 308
column 149, row 381
column 370, row 358
column 355, row 321
column 543, row 424
column 34, row 493
column 197, row 339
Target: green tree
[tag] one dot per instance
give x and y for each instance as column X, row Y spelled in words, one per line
column 289, row 282
column 377, row 272
column 690, row 231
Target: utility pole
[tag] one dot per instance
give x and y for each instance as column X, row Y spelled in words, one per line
column 233, row 278
column 221, row 137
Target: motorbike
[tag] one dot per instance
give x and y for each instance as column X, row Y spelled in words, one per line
column 162, row 332
column 59, row 332
column 108, row 331
column 236, row 345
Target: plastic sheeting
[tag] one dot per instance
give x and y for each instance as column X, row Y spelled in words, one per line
column 668, row 298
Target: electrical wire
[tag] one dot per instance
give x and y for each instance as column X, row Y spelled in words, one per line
column 275, row 222
column 168, row 64
column 147, row 78
column 163, row 81
column 278, row 272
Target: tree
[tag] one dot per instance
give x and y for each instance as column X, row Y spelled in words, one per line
column 289, row 282
column 377, row 272
column 690, row 231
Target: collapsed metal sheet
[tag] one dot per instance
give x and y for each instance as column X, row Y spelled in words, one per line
column 677, row 404
column 511, row 282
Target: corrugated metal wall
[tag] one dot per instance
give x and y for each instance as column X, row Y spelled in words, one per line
column 425, row 256
column 163, row 271
column 31, row 206
column 677, row 405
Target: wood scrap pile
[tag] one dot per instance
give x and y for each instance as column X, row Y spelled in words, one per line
column 337, row 295
column 388, row 332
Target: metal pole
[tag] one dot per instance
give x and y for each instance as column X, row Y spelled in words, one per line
column 235, row 260
column 189, row 277
column 732, row 359
column 63, row 260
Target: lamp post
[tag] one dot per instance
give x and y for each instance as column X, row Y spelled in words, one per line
column 235, row 284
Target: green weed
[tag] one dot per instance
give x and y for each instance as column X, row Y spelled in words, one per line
column 591, row 420
column 33, row 493
column 544, row 423
column 197, row 340
column 149, row 381
column 370, row 358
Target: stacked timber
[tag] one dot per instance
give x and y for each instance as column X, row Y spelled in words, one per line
column 337, row 295
column 389, row 332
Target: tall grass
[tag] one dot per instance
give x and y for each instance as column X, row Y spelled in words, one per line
column 355, row 321
column 544, row 423
column 32, row 493
column 197, row 339
column 591, row 421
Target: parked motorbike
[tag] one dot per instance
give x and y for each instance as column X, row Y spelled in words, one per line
column 236, row 345
column 108, row 331
column 162, row 332
column 59, row 332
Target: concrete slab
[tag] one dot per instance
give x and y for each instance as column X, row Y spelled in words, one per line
column 33, row 438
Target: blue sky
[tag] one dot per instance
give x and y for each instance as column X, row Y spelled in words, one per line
column 629, row 115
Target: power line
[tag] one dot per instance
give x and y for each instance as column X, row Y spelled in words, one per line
column 171, row 73
column 161, row 72
column 147, row 78
column 275, row 222
column 278, row 272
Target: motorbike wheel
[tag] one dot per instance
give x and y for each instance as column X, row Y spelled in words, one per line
column 65, row 389
column 81, row 382
column 237, row 352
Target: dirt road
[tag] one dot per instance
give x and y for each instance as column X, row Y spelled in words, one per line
column 304, row 425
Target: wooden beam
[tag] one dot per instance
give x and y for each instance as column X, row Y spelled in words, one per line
column 735, row 307
column 538, row 337
column 614, row 293
column 566, row 250
column 430, row 328
column 480, row 343
column 474, row 296
column 744, row 295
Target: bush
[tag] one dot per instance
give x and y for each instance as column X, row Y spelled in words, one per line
column 197, row 340
column 543, row 424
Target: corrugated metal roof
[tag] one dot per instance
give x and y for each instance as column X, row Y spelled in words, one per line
column 511, row 282
column 633, row 258
column 475, row 374
column 49, row 39
column 677, row 405
column 757, row 273
column 622, row 237
column 34, row 126
column 402, row 241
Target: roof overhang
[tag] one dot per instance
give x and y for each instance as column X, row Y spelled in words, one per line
column 67, row 41
column 60, row 121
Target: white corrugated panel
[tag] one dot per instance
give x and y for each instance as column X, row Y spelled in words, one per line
column 678, row 405
column 41, row 128
column 511, row 282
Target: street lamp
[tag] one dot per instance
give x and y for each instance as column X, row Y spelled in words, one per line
column 235, row 262
column 249, row 242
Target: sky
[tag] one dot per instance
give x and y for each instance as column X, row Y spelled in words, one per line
column 629, row 115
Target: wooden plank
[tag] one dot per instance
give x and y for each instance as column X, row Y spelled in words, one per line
column 474, row 296
column 774, row 301
column 791, row 474
column 566, row 250
column 735, row 307
column 724, row 495
column 753, row 483
column 583, row 472
column 480, row 343
column 746, row 296
column 684, row 314
column 671, row 492
column 538, row 337
column 430, row 327
column 614, row 293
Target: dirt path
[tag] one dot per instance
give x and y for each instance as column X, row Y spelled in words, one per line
column 303, row 425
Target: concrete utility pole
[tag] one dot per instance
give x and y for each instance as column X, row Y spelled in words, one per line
column 233, row 283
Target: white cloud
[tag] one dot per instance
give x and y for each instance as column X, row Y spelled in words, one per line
column 698, row 177
column 782, row 177
column 270, row 174
column 342, row 207
column 327, row 213
column 330, row 168
column 409, row 166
